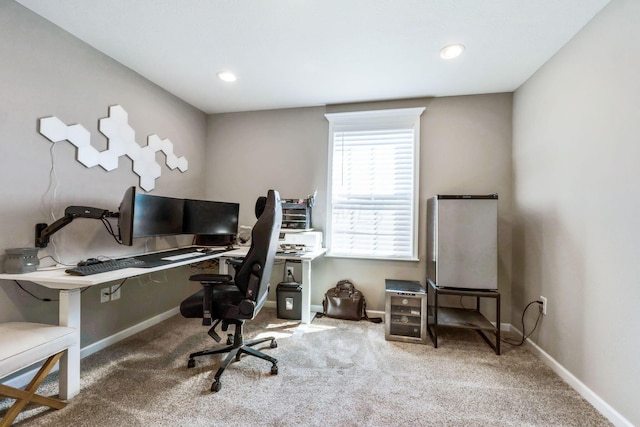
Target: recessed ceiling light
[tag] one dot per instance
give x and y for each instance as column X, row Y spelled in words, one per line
column 227, row 76
column 451, row 51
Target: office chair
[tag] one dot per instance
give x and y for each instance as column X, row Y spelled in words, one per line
column 232, row 301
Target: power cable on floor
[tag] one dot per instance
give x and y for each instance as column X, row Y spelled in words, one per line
column 524, row 335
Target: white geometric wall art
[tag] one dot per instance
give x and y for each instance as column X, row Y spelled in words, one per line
column 121, row 142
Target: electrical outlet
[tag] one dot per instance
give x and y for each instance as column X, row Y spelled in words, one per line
column 290, row 272
column 543, row 307
column 115, row 292
column 104, row 295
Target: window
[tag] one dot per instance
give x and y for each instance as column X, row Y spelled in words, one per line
column 373, row 184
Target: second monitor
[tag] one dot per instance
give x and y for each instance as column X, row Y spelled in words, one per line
column 210, row 218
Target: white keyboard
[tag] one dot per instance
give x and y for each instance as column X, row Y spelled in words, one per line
column 182, row 256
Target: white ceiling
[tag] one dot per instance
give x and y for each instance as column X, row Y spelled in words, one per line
column 295, row 53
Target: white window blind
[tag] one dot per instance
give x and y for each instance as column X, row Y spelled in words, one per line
column 373, row 184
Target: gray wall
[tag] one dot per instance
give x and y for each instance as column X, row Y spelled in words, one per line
column 465, row 148
column 47, row 72
column 576, row 185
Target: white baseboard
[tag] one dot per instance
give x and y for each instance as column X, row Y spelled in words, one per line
column 603, row 407
column 126, row 333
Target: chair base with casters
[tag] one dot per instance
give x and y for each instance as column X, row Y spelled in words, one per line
column 236, row 347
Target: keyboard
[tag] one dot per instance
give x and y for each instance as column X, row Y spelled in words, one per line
column 104, row 266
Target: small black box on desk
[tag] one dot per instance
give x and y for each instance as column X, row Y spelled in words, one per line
column 289, row 300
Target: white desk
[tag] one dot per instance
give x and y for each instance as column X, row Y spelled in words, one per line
column 305, row 259
column 69, row 314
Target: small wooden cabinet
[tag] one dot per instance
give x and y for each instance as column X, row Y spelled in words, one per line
column 405, row 311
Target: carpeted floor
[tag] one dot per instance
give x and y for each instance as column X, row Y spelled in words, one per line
column 331, row 373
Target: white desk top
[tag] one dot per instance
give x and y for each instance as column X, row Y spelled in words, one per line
column 56, row 278
column 307, row 256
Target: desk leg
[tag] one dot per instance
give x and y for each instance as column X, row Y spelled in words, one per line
column 223, row 267
column 305, row 309
column 69, row 315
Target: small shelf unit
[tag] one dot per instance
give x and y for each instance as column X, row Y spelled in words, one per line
column 405, row 311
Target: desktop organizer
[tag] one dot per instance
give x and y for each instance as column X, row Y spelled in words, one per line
column 296, row 215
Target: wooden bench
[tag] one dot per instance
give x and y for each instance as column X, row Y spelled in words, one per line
column 21, row 345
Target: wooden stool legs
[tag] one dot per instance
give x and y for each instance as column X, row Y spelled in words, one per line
column 29, row 393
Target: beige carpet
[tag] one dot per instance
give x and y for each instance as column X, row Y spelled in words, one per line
column 331, row 373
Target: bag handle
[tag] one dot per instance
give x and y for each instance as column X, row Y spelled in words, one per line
column 346, row 285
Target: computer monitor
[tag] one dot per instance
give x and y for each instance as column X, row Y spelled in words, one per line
column 144, row 215
column 125, row 218
column 157, row 216
column 213, row 223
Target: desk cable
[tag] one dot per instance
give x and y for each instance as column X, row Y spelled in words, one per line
column 42, row 299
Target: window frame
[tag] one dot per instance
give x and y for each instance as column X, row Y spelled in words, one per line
column 400, row 118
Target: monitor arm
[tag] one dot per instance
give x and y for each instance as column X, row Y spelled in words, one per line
column 44, row 231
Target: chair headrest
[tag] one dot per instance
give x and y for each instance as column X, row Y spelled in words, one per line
column 260, row 205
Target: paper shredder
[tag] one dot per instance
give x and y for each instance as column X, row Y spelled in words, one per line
column 289, row 300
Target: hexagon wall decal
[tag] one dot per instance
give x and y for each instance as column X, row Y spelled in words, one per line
column 121, row 142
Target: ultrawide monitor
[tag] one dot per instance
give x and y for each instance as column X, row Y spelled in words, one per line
column 157, row 216
column 144, row 215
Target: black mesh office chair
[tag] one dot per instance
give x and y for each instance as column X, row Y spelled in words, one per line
column 231, row 302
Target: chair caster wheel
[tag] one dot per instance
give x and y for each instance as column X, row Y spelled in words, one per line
column 216, row 386
column 191, row 363
column 229, row 339
column 273, row 344
column 274, row 370
column 238, row 356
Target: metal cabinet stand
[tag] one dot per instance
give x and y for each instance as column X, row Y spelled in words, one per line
column 462, row 317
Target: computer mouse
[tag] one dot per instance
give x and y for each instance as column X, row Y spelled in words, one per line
column 88, row 261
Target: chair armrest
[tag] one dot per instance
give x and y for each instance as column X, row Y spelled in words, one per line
column 211, row 278
column 235, row 261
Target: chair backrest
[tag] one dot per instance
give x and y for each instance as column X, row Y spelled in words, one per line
column 254, row 275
